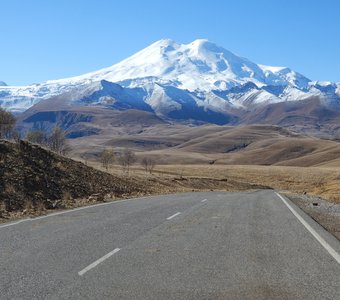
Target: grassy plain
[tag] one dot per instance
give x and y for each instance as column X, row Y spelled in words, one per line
column 317, row 181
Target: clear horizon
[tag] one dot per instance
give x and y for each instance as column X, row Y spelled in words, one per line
column 46, row 41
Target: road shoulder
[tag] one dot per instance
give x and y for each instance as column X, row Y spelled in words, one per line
column 323, row 212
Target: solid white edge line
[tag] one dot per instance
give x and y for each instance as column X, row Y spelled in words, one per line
column 97, row 262
column 324, row 244
column 67, row 211
column 14, row 223
column 175, row 215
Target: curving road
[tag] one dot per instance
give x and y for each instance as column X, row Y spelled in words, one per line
column 215, row 245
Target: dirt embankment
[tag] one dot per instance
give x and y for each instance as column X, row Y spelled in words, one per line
column 32, row 177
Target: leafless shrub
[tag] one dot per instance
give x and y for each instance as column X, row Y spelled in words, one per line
column 67, row 199
column 107, row 158
column 126, row 158
column 148, row 164
column 7, row 122
column 16, row 136
column 67, row 196
column 28, row 206
column 57, row 141
column 40, row 207
column 37, row 137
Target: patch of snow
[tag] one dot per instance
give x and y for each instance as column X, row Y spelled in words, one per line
column 160, row 102
column 322, row 83
column 294, row 94
column 197, row 67
column 338, row 88
column 254, row 97
column 271, row 68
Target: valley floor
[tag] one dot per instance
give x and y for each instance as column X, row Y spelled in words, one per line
column 315, row 181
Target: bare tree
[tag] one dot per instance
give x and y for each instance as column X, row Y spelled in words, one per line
column 36, row 137
column 7, row 122
column 16, row 136
column 148, row 164
column 57, row 141
column 127, row 158
column 107, row 158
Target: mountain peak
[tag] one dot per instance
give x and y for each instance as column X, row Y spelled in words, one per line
column 2, row 83
column 200, row 67
column 167, row 44
column 197, row 44
column 197, row 65
column 206, row 44
column 200, row 42
column 164, row 42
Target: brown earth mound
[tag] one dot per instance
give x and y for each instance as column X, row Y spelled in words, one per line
column 30, row 174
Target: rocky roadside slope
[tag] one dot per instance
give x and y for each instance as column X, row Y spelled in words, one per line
column 32, row 178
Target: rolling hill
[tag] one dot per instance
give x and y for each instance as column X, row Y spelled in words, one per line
column 242, row 145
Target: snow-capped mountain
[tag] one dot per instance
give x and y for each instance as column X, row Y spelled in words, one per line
column 179, row 80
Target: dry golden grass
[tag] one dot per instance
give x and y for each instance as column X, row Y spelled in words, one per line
column 323, row 182
column 262, row 155
column 318, row 181
column 244, row 145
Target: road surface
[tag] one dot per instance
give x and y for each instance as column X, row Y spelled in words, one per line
column 251, row 245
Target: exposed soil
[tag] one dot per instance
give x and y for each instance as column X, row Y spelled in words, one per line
column 30, row 175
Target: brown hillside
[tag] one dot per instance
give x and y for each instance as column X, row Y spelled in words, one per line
column 29, row 173
column 308, row 116
column 243, row 145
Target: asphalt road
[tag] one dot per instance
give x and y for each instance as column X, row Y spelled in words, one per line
column 185, row 246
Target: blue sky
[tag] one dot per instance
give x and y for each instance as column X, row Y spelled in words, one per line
column 43, row 40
